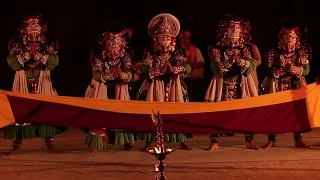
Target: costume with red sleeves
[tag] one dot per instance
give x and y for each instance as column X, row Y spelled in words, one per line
column 232, row 80
column 290, row 55
column 112, row 72
column 160, row 83
column 32, row 75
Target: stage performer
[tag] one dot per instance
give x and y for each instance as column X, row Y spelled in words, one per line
column 33, row 54
column 196, row 61
column 193, row 53
column 287, row 65
column 111, row 63
column 164, row 68
column 233, row 59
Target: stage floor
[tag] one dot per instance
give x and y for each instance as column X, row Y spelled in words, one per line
column 231, row 162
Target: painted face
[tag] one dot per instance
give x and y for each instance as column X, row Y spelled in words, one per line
column 115, row 47
column 289, row 39
column 164, row 42
column 234, row 30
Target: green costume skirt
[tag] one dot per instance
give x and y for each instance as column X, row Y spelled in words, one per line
column 32, row 131
column 115, row 137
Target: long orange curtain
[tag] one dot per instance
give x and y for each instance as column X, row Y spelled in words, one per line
column 309, row 95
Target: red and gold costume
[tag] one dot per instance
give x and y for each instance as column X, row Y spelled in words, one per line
column 287, row 65
column 111, row 63
column 33, row 55
column 232, row 62
column 164, row 68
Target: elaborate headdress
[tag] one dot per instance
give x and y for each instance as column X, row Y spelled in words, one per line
column 164, row 24
column 33, row 28
column 163, row 29
column 113, row 39
column 113, row 35
column 234, row 19
column 288, row 27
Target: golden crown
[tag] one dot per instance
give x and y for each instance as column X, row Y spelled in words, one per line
column 164, row 24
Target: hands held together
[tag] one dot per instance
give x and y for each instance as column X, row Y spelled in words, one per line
column 289, row 68
column 117, row 73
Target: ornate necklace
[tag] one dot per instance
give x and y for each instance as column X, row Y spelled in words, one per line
column 232, row 52
column 288, row 55
column 164, row 57
column 113, row 62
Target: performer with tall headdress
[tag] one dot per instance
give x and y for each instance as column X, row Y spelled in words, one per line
column 111, row 63
column 287, row 65
column 164, row 70
column 32, row 56
column 233, row 59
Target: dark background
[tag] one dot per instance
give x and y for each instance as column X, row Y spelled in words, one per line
column 76, row 23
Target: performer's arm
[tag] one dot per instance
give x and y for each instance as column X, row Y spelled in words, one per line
column 184, row 69
column 218, row 68
column 302, row 70
column 148, row 71
column 144, row 68
column 270, row 69
column 50, row 61
column 247, row 66
column 98, row 76
column 14, row 62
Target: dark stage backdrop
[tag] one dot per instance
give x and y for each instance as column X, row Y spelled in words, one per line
column 75, row 24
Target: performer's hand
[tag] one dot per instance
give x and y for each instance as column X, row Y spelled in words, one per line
column 164, row 68
column 31, row 53
column 237, row 59
column 33, row 49
column 170, row 68
column 115, row 73
column 119, row 72
column 278, row 72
